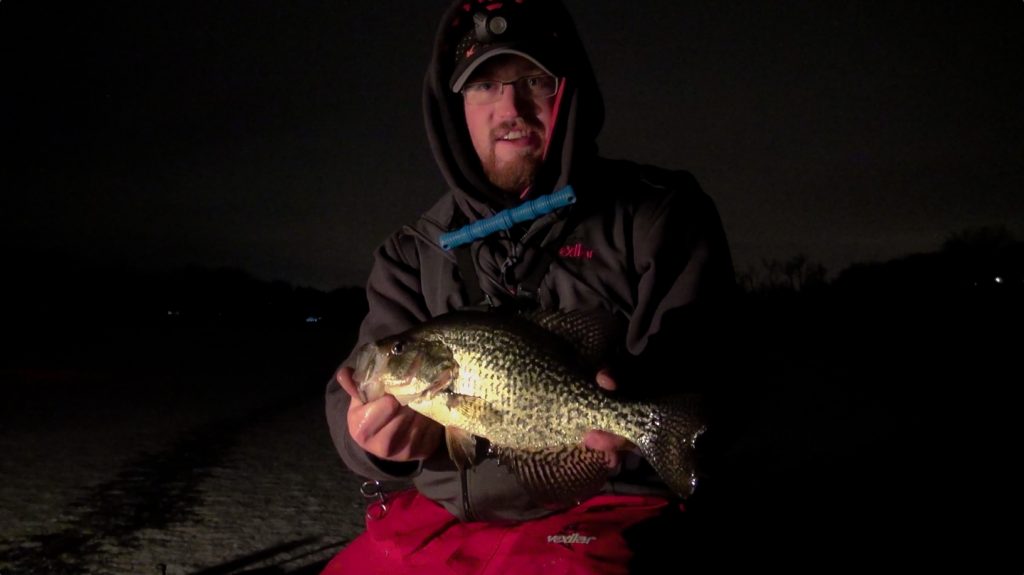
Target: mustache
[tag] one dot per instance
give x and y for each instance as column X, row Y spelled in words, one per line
column 519, row 124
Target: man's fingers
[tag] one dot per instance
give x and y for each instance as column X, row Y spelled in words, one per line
column 424, row 438
column 366, row 421
column 603, row 441
column 607, row 444
column 612, row 445
column 404, row 437
column 392, row 437
column 605, row 380
column 344, row 378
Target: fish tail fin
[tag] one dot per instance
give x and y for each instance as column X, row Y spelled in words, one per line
column 669, row 442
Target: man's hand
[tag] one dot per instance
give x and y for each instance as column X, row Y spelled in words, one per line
column 387, row 429
column 612, row 445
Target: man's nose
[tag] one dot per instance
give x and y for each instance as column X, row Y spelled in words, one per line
column 511, row 103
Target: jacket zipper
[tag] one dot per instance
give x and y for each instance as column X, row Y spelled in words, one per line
column 466, row 507
column 508, row 279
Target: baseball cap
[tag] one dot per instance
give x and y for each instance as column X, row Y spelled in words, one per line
column 510, row 27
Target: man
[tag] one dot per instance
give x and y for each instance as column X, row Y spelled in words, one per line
column 513, row 112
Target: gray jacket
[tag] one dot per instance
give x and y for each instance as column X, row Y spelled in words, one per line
column 642, row 242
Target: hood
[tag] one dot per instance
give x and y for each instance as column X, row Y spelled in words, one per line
column 578, row 120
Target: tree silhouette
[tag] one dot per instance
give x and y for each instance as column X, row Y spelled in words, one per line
column 797, row 274
column 983, row 239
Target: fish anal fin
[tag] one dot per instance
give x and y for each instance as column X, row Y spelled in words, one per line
column 556, row 477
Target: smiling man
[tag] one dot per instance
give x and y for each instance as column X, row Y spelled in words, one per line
column 508, row 103
column 513, row 112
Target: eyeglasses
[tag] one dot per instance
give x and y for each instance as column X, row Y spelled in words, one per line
column 538, row 87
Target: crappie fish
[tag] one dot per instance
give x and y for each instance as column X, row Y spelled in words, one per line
column 526, row 383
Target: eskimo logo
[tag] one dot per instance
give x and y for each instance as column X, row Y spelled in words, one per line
column 577, row 251
column 571, row 539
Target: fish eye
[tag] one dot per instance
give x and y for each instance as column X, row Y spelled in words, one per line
column 398, row 348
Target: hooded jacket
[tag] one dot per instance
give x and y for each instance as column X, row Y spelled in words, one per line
column 642, row 242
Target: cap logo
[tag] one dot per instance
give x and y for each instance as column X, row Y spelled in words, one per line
column 498, row 25
column 485, row 27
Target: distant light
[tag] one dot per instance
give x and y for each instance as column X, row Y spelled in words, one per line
column 173, row 312
column 313, row 319
column 999, row 280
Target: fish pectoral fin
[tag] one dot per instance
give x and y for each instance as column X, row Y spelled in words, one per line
column 475, row 409
column 461, row 447
column 464, row 447
column 559, row 476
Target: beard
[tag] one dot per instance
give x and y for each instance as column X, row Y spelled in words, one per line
column 516, row 174
column 512, row 176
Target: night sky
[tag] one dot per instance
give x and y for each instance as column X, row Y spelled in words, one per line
column 286, row 138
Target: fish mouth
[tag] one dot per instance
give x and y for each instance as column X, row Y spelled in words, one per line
column 376, row 376
column 372, row 380
column 368, row 386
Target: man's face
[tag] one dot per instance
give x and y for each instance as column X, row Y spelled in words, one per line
column 509, row 135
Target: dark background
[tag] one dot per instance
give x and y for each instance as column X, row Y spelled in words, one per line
column 286, row 139
column 196, row 188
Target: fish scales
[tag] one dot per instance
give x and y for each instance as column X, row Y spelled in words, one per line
column 544, row 401
column 528, row 388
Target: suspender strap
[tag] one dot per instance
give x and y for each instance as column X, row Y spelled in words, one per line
column 464, row 260
column 470, row 279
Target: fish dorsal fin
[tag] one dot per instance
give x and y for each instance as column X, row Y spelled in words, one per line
column 556, row 477
column 593, row 334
